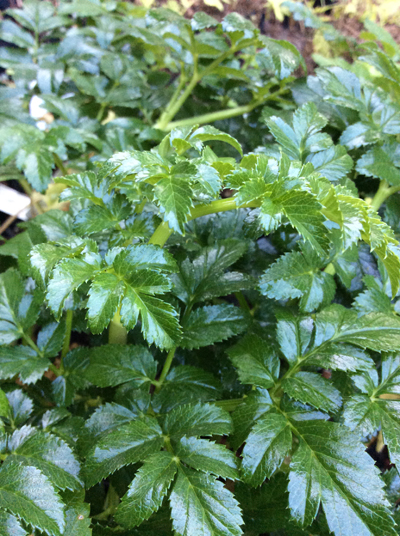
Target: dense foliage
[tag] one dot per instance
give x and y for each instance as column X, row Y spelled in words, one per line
column 207, row 337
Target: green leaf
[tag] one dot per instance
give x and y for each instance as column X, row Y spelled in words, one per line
column 185, row 384
column 213, row 323
column 148, row 489
column 95, row 219
column 374, row 299
column 68, row 276
column 37, row 17
column 376, row 331
column 341, row 357
column 333, row 163
column 381, row 163
column 128, row 444
column 201, row 505
column 205, row 277
column 105, row 295
column 44, row 257
column 197, row 420
column 270, row 440
column 202, row 20
column 18, row 312
column 280, row 56
column 27, row 493
column 207, row 456
column 4, row 404
column 51, row 338
column 313, row 389
column 255, row 361
column 10, row 526
column 22, row 361
column 174, row 195
column 304, row 213
column 32, row 152
column 378, row 407
column 64, row 387
column 159, row 319
column 138, row 267
column 113, row 364
column 105, row 419
column 210, row 133
column 12, row 33
column 305, row 136
column 256, row 404
column 331, row 468
column 21, row 406
column 48, row 453
column 299, row 275
column 265, row 508
column 77, row 515
column 293, row 334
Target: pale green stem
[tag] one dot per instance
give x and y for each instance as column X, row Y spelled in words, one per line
column 231, row 404
column 330, row 269
column 117, row 333
column 163, row 232
column 67, row 340
column 384, row 191
column 100, row 113
column 59, row 163
column 222, row 114
column 242, row 301
column 175, row 103
column 166, row 367
column 34, row 347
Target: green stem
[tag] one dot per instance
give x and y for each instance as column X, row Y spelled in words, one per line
column 26, row 186
column 34, row 347
column 165, row 369
column 176, row 103
column 173, row 109
column 222, row 114
column 384, row 191
column 100, row 113
column 30, row 343
column 231, row 404
column 117, row 333
column 139, row 208
column 163, row 232
column 67, row 340
column 330, row 269
column 242, row 301
column 59, row 163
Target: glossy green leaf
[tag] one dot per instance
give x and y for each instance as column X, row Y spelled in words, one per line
column 48, row 453
column 213, row 323
column 331, row 468
column 128, row 444
column 197, row 420
column 205, row 277
column 111, row 365
column 313, row 389
column 256, row 363
column 10, row 526
column 22, row 361
column 207, row 456
column 270, row 440
column 299, row 275
column 148, row 489
column 305, row 136
column 28, row 494
column 201, row 505
column 185, row 384
column 378, row 406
